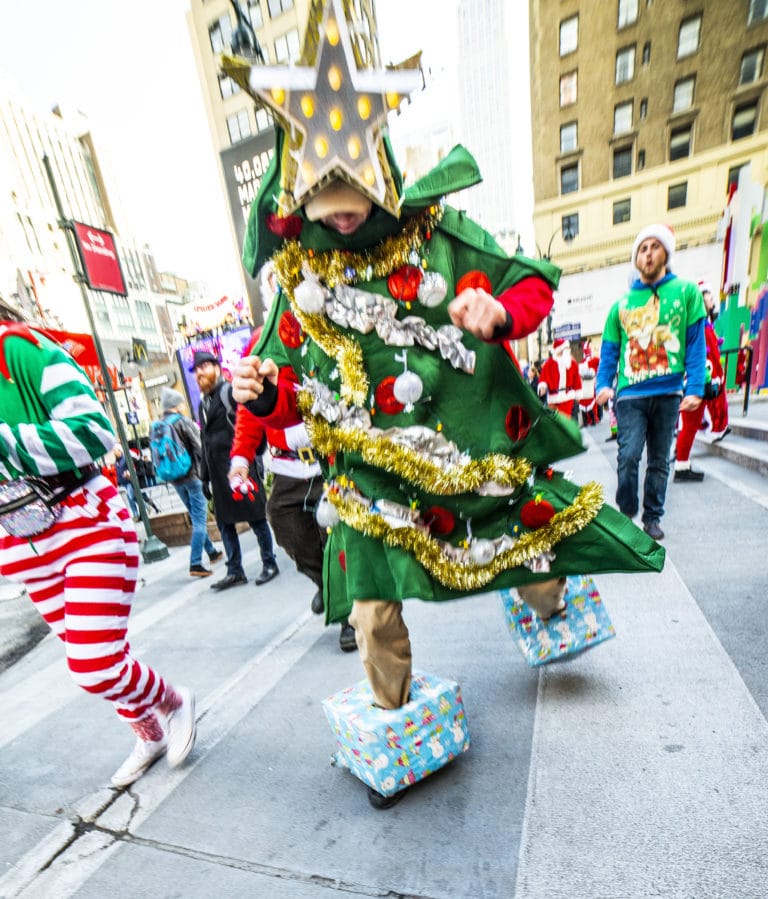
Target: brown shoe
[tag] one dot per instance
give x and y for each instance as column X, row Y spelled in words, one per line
column 199, row 571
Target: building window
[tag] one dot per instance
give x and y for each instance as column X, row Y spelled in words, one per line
column 640, row 159
column 622, row 162
column 677, row 195
column 569, row 137
column 263, row 120
column 758, row 10
column 239, row 126
column 568, row 89
column 644, row 107
column 680, row 143
column 276, row 7
column 254, row 11
column 625, row 64
column 569, row 178
column 688, row 38
column 744, row 118
column 569, row 35
column 683, row 98
column 751, row 66
column 144, row 315
column 227, row 87
column 733, row 177
column 287, row 47
column 627, row 12
column 570, row 226
column 622, row 118
column 220, row 34
column 622, row 210
column 646, row 53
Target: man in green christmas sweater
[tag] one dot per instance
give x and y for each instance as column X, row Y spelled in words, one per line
column 79, row 562
column 654, row 346
column 390, row 337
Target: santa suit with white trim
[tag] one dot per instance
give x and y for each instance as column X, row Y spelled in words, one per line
column 560, row 379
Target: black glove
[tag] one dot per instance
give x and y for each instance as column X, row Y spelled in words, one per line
column 207, row 490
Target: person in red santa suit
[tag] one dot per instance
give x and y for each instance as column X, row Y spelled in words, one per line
column 590, row 411
column 297, row 487
column 560, row 380
column 715, row 401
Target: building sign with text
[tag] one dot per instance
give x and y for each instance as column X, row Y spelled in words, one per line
column 98, row 254
column 244, row 165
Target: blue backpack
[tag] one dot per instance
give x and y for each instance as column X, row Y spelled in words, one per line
column 169, row 456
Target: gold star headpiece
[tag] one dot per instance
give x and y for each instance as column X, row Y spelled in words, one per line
column 333, row 113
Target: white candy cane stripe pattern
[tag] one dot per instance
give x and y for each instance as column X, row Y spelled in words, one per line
column 81, row 575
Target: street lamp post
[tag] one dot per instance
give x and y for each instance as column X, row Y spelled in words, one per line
column 244, row 41
column 568, row 236
column 152, row 549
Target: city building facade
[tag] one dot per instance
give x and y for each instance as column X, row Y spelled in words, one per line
column 37, row 276
column 645, row 112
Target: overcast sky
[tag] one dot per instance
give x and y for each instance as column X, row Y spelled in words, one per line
column 129, row 67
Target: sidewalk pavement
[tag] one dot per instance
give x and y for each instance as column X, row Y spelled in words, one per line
column 637, row 769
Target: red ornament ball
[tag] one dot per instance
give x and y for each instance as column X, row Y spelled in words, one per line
column 474, row 279
column 385, row 397
column 289, row 330
column 404, row 282
column 536, row 514
column 288, row 227
column 439, row 520
column 517, row 423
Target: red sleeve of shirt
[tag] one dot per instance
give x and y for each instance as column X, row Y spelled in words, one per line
column 528, row 303
column 249, row 432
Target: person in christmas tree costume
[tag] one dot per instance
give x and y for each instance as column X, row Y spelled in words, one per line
column 390, row 338
column 80, row 570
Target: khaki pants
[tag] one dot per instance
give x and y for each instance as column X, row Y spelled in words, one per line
column 545, row 597
column 385, row 649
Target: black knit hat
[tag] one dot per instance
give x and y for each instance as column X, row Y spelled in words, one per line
column 201, row 357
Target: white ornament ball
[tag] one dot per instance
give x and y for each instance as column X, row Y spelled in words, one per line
column 432, row 289
column 326, row 514
column 407, row 388
column 482, row 551
column 309, row 297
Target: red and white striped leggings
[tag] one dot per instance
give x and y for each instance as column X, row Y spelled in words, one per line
column 81, row 576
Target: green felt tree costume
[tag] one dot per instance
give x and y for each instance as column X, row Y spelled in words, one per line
column 438, row 460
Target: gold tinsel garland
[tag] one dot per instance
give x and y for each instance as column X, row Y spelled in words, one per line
column 471, row 576
column 411, row 465
column 346, row 267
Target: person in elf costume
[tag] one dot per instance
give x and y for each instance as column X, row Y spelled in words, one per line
column 79, row 563
column 389, row 337
column 560, row 380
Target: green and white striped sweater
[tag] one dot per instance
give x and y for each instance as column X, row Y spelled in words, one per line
column 50, row 418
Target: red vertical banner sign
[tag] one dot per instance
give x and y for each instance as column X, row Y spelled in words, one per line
column 98, row 254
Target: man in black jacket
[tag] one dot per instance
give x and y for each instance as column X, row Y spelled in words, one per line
column 216, row 415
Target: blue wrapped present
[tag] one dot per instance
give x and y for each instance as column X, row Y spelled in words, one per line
column 391, row 749
column 581, row 625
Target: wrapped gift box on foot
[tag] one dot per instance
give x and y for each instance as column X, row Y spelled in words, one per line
column 581, row 625
column 391, row 749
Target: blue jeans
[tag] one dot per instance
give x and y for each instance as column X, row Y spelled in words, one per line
column 645, row 421
column 231, row 541
column 191, row 494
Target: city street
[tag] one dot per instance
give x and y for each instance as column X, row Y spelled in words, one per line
column 638, row 769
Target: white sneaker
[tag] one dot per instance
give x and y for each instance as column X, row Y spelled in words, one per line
column 145, row 753
column 181, row 729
